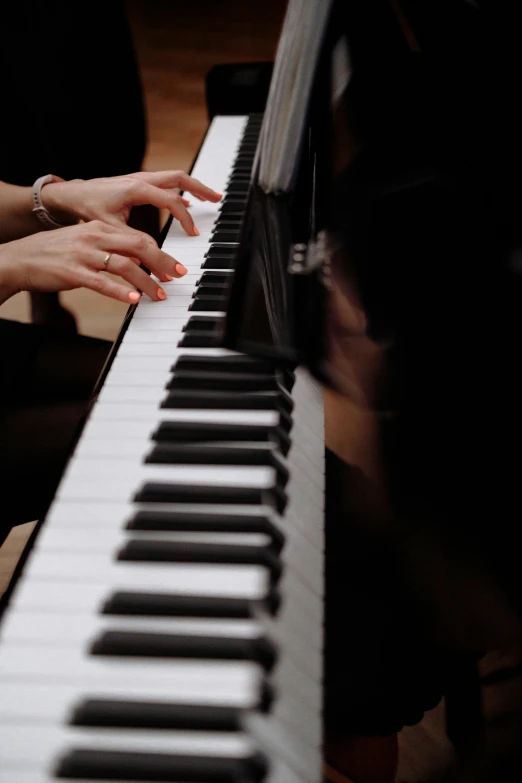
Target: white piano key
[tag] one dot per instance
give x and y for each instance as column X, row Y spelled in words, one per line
column 40, row 746
column 240, row 581
column 142, row 394
column 200, row 475
column 84, row 596
column 53, row 539
column 67, row 665
column 150, row 412
column 177, row 309
column 151, row 333
column 81, row 629
column 161, row 321
column 177, row 352
column 72, row 514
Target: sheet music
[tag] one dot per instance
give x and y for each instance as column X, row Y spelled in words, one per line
column 284, row 121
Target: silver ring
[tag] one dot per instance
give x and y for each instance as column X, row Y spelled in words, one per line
column 106, row 260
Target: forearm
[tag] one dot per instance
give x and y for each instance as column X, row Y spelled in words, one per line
column 16, row 216
column 16, row 211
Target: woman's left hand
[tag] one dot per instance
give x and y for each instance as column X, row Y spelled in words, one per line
column 111, row 198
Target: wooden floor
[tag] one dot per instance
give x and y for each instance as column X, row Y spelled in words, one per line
column 177, row 43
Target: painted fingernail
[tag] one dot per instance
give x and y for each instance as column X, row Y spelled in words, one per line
column 196, row 232
column 161, row 294
column 168, row 277
column 180, row 269
column 134, row 296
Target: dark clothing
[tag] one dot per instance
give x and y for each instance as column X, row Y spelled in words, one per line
column 46, row 379
column 71, row 105
column 71, row 95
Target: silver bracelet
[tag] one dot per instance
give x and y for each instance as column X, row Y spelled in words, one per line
column 39, row 210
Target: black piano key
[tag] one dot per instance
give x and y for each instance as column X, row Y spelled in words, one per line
column 202, row 322
column 211, row 454
column 235, row 205
column 170, row 645
column 219, row 262
column 210, row 522
column 199, row 339
column 221, row 250
column 238, row 187
column 226, row 235
column 143, row 551
column 208, row 304
column 221, row 380
column 228, row 225
column 156, row 715
column 256, row 401
column 136, row 604
column 211, row 289
column 233, row 363
column 84, row 763
column 242, row 166
column 213, row 286
column 215, row 277
column 192, row 432
column 161, row 492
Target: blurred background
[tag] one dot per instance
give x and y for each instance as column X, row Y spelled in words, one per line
column 176, row 44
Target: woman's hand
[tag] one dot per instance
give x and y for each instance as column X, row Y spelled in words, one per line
column 73, row 257
column 111, row 198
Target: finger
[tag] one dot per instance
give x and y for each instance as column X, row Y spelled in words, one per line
column 127, row 269
column 164, row 278
column 105, row 286
column 163, row 199
column 181, row 180
column 137, row 246
column 112, row 223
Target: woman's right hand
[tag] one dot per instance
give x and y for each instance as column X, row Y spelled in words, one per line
column 73, row 257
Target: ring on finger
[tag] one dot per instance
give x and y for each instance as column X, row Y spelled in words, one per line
column 106, row 260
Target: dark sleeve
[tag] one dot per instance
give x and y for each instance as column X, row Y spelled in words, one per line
column 71, row 93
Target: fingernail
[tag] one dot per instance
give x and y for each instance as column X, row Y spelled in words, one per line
column 180, row 269
column 219, row 194
column 161, row 293
column 134, row 296
column 196, row 232
column 168, row 277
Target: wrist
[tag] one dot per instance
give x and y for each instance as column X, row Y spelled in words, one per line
column 8, row 286
column 56, row 198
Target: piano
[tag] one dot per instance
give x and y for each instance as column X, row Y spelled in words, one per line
column 167, row 622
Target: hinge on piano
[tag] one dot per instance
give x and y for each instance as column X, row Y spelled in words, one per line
column 311, row 257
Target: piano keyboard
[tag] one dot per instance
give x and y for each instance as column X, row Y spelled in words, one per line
column 167, row 625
